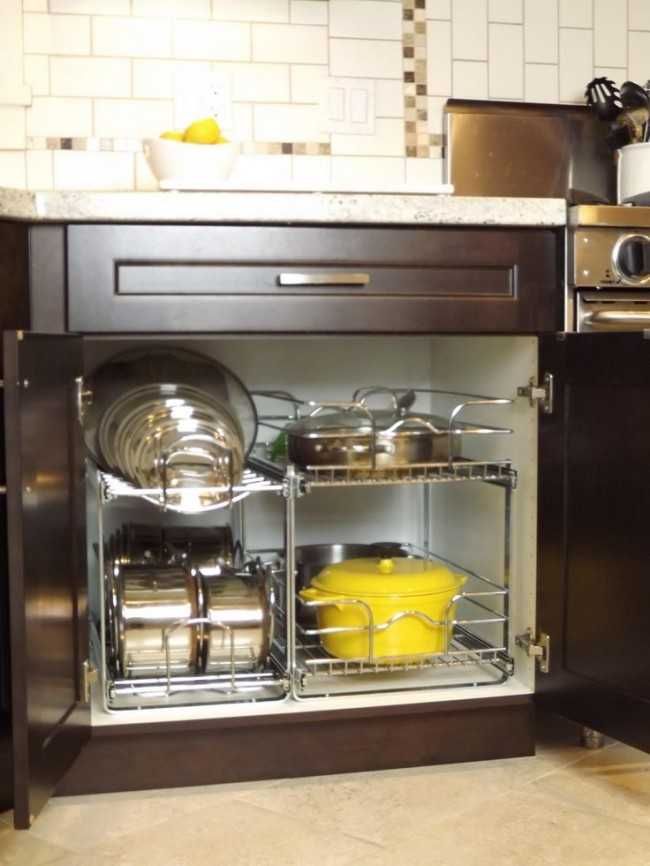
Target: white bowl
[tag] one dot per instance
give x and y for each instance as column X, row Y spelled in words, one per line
column 178, row 165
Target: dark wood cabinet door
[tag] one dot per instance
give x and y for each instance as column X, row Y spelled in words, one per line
column 594, row 596
column 47, row 584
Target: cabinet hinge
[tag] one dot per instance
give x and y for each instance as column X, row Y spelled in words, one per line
column 543, row 395
column 538, row 648
column 89, row 677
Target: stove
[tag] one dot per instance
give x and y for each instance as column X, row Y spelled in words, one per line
column 608, row 268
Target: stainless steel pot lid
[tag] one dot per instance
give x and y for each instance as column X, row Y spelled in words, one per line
column 354, row 422
column 166, row 418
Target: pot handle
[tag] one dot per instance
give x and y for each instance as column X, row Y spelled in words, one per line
column 313, row 597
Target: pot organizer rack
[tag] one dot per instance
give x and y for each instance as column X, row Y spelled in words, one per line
column 298, row 666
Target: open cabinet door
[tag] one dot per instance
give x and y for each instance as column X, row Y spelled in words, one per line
column 46, row 538
column 594, row 567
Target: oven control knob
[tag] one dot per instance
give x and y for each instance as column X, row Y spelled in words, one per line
column 631, row 259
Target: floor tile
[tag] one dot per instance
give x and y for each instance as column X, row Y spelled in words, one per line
column 24, row 849
column 524, row 827
column 238, row 834
column 86, row 822
column 613, row 781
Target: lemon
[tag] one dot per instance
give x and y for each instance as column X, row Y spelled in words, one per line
column 205, row 131
column 173, row 135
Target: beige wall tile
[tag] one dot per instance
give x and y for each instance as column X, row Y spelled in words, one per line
column 259, row 82
column 242, row 122
column 506, row 11
column 576, row 63
column 211, row 40
column 37, row 73
column 12, row 169
column 40, row 171
column 289, row 43
column 306, row 83
column 90, row 76
column 132, row 118
column 94, row 7
column 365, row 58
column 367, row 173
column 56, row 34
column 308, row 12
column 389, row 98
column 576, row 13
column 639, row 54
column 469, row 32
column 251, row 10
column 365, row 19
column 439, row 58
column 78, row 169
column 639, row 15
column 541, row 83
column 617, row 74
column 287, row 123
column 34, row 5
column 540, row 31
column 470, row 79
column 387, row 140
column 178, row 8
column 153, row 79
column 439, row 9
column 12, row 127
column 312, row 171
column 506, row 63
column 610, row 32
column 58, row 116
column 435, row 108
column 133, row 37
column 423, row 173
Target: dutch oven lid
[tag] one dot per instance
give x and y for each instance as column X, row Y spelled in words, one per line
column 387, row 577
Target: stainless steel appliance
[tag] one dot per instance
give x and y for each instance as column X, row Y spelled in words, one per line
column 608, row 268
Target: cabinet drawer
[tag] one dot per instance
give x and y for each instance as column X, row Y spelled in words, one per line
column 308, row 278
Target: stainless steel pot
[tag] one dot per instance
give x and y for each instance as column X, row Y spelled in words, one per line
column 240, row 613
column 166, row 419
column 191, row 546
column 357, row 436
column 147, row 607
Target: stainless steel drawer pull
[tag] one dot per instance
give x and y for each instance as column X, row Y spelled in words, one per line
column 331, row 279
column 618, row 317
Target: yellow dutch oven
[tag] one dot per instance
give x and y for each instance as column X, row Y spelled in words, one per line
column 391, row 589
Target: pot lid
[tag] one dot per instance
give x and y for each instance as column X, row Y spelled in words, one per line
column 354, row 423
column 387, row 577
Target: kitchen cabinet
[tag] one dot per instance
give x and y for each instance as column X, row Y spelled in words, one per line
column 282, row 279
column 57, row 749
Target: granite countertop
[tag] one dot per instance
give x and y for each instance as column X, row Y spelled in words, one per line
column 278, row 207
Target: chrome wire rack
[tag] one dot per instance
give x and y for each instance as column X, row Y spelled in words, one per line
column 493, row 472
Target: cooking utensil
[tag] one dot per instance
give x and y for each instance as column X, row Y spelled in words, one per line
column 190, row 546
column 394, row 608
column 170, row 420
column 145, row 603
column 604, row 98
column 240, row 612
column 354, row 435
column 311, row 559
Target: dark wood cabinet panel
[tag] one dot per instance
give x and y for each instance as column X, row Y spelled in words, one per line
column 123, row 758
column 242, row 279
column 48, row 615
column 594, row 596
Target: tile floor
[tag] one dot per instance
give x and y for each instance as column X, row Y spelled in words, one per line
column 564, row 807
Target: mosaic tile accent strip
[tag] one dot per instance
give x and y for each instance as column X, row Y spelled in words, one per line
column 417, row 140
column 134, row 145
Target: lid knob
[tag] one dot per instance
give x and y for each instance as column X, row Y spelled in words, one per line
column 386, row 566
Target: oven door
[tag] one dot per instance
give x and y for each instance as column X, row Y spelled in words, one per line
column 612, row 311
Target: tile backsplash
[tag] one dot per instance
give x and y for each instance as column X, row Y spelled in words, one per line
column 98, row 76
